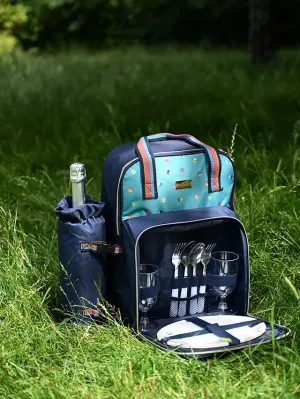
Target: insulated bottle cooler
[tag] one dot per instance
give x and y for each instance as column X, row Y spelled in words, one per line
column 82, row 273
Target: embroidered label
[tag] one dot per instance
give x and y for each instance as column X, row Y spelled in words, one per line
column 101, row 247
column 91, row 312
column 87, row 247
column 179, row 184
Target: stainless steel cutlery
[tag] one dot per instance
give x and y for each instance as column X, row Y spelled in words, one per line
column 191, row 253
column 176, row 260
column 205, row 257
column 194, row 258
column 185, row 261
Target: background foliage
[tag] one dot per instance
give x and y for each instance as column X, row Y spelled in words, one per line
column 59, row 108
column 12, row 17
column 98, row 23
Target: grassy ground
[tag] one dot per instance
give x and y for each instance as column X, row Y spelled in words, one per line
column 58, row 109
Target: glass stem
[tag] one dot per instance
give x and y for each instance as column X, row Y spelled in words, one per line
column 144, row 321
column 223, row 304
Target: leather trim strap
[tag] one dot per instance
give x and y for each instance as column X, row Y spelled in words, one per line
column 148, row 170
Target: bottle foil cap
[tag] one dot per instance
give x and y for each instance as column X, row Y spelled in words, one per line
column 77, row 172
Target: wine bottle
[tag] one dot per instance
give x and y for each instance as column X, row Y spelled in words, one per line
column 78, row 179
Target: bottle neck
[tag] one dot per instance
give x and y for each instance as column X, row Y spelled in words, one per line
column 78, row 193
column 78, row 179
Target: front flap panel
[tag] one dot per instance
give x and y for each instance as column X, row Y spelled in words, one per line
column 152, row 240
column 272, row 331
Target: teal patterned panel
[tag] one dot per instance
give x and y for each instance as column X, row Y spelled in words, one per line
column 169, row 170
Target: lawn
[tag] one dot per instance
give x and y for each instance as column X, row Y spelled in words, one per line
column 61, row 108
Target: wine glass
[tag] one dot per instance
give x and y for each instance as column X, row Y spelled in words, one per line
column 223, row 263
column 149, row 277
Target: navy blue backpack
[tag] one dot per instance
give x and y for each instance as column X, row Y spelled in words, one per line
column 164, row 190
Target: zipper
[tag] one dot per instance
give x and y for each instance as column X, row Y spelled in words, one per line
column 234, row 180
column 169, row 224
column 164, row 153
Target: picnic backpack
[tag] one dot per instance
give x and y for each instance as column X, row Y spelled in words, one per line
column 163, row 190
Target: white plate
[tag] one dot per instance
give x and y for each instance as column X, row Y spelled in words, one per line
column 210, row 340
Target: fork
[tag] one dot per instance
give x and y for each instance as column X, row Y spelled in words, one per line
column 205, row 258
column 176, row 260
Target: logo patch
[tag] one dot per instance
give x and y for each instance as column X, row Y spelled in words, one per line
column 183, row 184
column 87, row 247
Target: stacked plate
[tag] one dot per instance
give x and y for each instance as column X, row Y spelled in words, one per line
column 245, row 332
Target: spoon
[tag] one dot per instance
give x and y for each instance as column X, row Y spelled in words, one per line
column 194, row 258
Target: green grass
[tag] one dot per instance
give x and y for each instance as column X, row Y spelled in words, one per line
column 57, row 109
